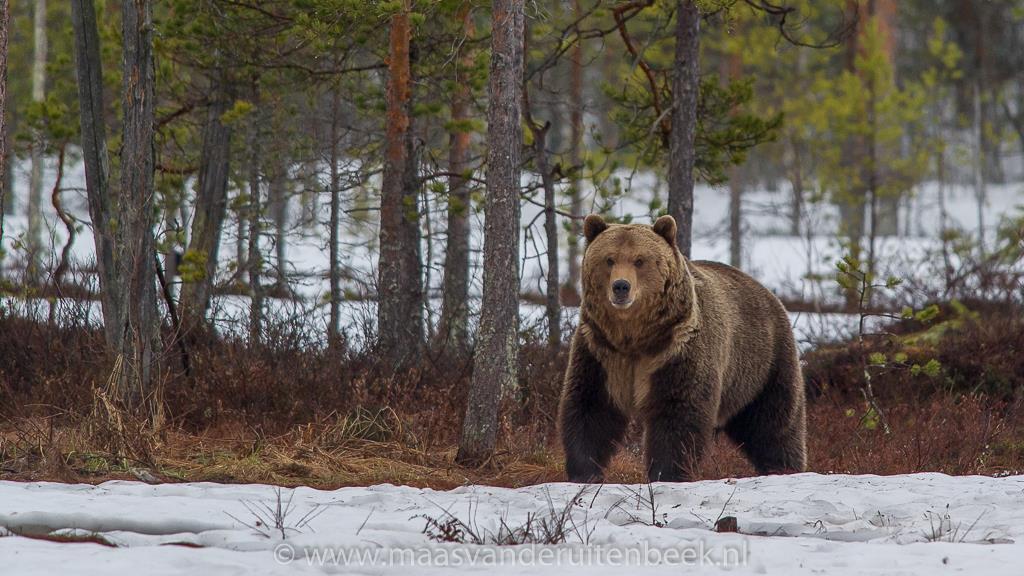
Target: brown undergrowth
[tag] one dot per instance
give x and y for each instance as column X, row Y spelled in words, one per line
column 291, row 413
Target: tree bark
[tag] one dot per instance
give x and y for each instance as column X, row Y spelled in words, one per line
column 399, row 285
column 455, row 305
column 853, row 204
column 883, row 14
column 735, row 217
column 35, row 187
column 255, row 216
column 496, row 356
column 681, row 155
column 134, row 245
column 278, row 208
column 334, row 327
column 241, row 214
column 69, row 226
column 95, row 159
column 978, row 171
column 552, row 309
column 575, row 159
column 210, row 207
column 796, row 209
column 732, row 70
column 5, row 20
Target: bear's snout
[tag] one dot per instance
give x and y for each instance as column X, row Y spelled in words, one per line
column 620, row 293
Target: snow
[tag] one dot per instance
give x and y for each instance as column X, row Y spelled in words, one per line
column 799, row 524
column 797, row 267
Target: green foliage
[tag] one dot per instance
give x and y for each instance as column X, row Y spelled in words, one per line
column 727, row 126
column 932, row 368
column 193, row 266
column 238, row 112
column 927, row 314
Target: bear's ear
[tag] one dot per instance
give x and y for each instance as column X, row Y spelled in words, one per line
column 593, row 226
column 666, row 228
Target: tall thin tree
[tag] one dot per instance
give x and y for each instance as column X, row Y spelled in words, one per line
column 210, row 206
column 731, row 68
column 134, row 244
column 455, row 304
column 35, row 187
column 496, row 356
column 681, row 154
column 5, row 21
column 575, row 157
column 334, row 326
column 254, row 212
column 542, row 164
column 399, row 282
column 96, row 161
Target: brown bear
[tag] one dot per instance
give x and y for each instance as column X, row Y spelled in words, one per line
column 688, row 348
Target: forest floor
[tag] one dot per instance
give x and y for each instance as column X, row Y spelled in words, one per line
column 287, row 415
column 198, row 490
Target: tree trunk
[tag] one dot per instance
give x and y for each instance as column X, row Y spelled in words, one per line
column 96, row 161
column 174, row 214
column 334, row 327
column 980, row 193
column 681, row 155
column 133, row 237
column 853, row 202
column 242, row 237
column 883, row 14
column 496, row 356
column 732, row 70
column 255, row 214
column 35, row 187
column 308, row 199
column 210, row 208
column 278, row 207
column 5, row 20
column 735, row 217
column 69, row 225
column 575, row 159
column 796, row 210
column 399, row 286
column 551, row 306
column 455, row 304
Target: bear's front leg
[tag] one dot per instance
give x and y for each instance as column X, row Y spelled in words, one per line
column 591, row 425
column 680, row 415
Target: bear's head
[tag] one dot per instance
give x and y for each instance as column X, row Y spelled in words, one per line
column 628, row 270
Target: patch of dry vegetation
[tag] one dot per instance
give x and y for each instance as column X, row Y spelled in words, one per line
column 290, row 413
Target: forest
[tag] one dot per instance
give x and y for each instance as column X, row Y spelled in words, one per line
column 339, row 242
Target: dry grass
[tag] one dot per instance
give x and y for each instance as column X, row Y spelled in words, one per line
column 966, row 436
column 290, row 414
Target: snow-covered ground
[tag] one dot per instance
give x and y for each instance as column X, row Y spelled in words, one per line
column 802, row 524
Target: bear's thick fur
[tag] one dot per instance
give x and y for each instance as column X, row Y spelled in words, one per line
column 687, row 347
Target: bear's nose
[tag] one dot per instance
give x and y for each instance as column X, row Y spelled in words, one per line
column 620, row 288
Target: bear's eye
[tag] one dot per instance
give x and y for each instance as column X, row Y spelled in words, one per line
column 639, row 262
column 610, row 262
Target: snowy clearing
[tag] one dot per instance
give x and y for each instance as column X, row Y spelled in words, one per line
column 800, row 524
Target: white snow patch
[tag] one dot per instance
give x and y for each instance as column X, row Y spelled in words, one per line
column 799, row 524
